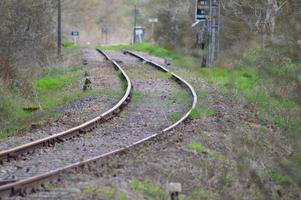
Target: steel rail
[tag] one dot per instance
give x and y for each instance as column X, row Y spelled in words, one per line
column 28, row 185
column 76, row 131
column 178, row 79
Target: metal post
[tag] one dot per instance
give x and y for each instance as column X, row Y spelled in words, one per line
column 213, row 28
column 210, row 33
column 59, row 28
column 153, row 32
column 135, row 24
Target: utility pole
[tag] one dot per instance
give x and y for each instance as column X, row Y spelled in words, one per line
column 213, row 29
column 59, row 28
column 135, row 24
column 153, row 21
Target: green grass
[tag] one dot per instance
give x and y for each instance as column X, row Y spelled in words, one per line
column 152, row 49
column 59, row 86
column 68, row 44
column 198, row 148
column 249, row 84
column 200, row 194
column 176, row 116
column 50, row 87
column 148, row 188
column 113, row 194
column 226, row 179
column 57, row 78
column 279, row 179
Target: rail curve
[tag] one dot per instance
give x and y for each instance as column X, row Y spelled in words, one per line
column 28, row 185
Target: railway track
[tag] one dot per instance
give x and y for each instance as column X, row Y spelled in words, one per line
column 29, row 148
column 30, row 184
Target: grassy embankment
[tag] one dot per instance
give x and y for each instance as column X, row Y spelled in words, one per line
column 58, row 86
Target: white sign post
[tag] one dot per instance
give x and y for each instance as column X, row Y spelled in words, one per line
column 75, row 35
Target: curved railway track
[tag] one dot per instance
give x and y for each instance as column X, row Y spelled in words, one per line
column 30, row 184
column 14, row 153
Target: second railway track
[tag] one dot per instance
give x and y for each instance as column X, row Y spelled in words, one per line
column 27, row 184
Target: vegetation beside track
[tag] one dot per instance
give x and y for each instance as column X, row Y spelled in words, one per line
column 58, row 86
column 265, row 80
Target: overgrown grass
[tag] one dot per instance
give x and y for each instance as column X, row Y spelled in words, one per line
column 200, row 194
column 278, row 178
column 59, row 86
column 49, row 88
column 199, row 148
column 148, row 188
column 68, row 44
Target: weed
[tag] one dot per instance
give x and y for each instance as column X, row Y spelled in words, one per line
column 226, row 179
column 91, row 190
column 176, row 116
column 112, row 193
column 279, row 179
column 198, row 148
column 200, row 194
column 68, row 44
column 138, row 96
column 148, row 188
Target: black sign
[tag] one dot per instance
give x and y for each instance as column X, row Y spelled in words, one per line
column 75, row 33
column 202, row 7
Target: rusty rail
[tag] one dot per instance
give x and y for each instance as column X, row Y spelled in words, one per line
column 76, row 131
column 28, row 185
column 178, row 79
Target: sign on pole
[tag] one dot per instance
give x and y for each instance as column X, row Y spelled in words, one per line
column 202, row 10
column 75, row 35
column 153, row 20
column 138, row 34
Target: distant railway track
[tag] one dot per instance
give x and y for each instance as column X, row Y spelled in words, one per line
column 29, row 185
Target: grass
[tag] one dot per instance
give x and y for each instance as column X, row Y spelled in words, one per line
column 94, row 192
column 226, row 179
column 279, row 179
column 202, row 109
column 49, row 87
column 148, row 188
column 59, row 86
column 200, row 194
column 198, row 148
column 263, row 78
column 176, row 116
column 68, row 44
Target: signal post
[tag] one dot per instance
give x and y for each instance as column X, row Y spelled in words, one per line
column 207, row 17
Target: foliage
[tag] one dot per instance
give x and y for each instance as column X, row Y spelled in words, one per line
column 57, row 78
column 68, row 44
column 148, row 188
column 200, row 194
column 226, row 179
column 278, row 178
